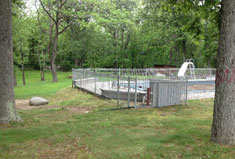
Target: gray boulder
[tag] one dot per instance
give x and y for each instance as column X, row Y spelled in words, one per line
column 36, row 101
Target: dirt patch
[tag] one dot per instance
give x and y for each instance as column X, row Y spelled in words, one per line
column 24, row 105
column 79, row 110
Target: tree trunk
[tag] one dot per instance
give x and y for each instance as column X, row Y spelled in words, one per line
column 15, row 81
column 51, row 26
column 223, row 127
column 126, row 44
column 122, row 47
column 53, row 67
column 208, row 63
column 178, row 59
column 170, row 57
column 184, row 47
column 39, row 63
column 22, row 66
column 206, row 48
column 76, row 62
column 53, row 55
column 43, row 67
column 7, row 102
column 50, row 30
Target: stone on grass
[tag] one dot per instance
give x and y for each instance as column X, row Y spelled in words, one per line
column 36, row 101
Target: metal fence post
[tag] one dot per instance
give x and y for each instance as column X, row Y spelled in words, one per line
column 128, row 91
column 186, row 95
column 136, row 92
column 118, row 85
column 72, row 78
column 95, row 82
column 84, row 79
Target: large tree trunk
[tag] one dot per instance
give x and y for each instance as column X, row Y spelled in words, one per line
column 52, row 53
column 7, row 102
column 53, row 67
column 15, row 81
column 223, row 127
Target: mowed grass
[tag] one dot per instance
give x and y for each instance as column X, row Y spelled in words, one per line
column 62, row 130
column 36, row 87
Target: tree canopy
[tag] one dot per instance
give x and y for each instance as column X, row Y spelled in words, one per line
column 119, row 33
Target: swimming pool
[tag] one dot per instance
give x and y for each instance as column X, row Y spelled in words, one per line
column 143, row 85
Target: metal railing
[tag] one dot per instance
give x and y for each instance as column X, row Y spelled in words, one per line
column 166, row 73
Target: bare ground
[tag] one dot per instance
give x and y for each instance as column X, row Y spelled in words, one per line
column 24, row 105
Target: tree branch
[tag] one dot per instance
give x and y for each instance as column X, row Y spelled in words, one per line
column 64, row 28
column 63, row 3
column 47, row 11
column 38, row 18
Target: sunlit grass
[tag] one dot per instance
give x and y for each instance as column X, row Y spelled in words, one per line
column 35, row 87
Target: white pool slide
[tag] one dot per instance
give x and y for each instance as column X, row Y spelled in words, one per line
column 184, row 67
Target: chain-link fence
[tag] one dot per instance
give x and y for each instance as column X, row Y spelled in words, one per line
column 146, row 87
column 163, row 73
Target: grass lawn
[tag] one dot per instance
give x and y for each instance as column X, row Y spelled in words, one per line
column 72, row 126
column 36, row 87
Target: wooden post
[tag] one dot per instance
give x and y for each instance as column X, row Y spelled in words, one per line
column 148, row 96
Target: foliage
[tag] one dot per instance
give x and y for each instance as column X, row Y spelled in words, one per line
column 121, row 33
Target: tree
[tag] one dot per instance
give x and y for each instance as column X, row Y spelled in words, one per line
column 59, row 17
column 21, row 32
column 180, row 29
column 117, row 33
column 7, row 103
column 223, row 128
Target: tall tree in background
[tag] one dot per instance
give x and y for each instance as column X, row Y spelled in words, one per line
column 7, row 102
column 60, row 22
column 223, row 127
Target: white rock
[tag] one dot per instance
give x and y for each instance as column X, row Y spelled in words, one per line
column 36, row 101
